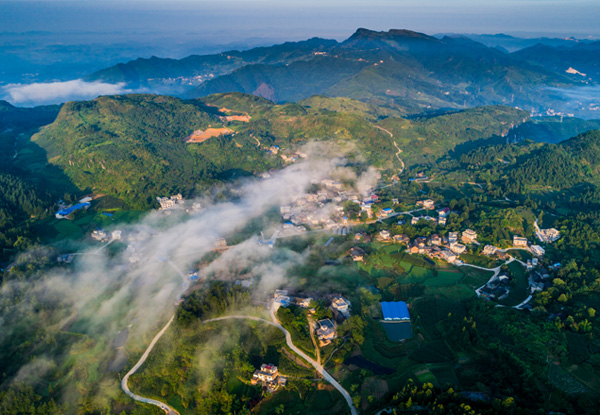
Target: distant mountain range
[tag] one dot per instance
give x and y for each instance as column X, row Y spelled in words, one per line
column 401, row 69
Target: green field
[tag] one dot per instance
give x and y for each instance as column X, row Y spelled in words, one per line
column 520, row 290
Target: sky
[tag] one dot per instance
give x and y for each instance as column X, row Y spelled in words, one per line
column 231, row 20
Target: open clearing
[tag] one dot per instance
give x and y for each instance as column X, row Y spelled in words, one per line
column 200, row 136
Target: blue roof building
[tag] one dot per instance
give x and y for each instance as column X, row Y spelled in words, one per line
column 66, row 212
column 396, row 320
column 395, row 311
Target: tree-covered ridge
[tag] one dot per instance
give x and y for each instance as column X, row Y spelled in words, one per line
column 525, row 166
column 133, row 146
column 422, row 140
column 400, row 69
column 19, row 201
column 12, row 117
column 552, row 129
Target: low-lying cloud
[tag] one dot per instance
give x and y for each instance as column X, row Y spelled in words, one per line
column 59, row 92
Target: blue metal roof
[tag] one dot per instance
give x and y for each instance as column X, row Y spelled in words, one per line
column 72, row 209
column 395, row 310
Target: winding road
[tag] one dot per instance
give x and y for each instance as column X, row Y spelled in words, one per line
column 396, row 145
column 124, row 381
column 288, row 339
column 134, row 369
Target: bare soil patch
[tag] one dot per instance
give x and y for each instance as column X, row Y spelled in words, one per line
column 200, row 136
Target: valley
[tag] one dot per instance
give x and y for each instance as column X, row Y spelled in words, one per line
column 370, row 226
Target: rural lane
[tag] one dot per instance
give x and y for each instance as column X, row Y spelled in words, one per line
column 134, row 369
column 288, row 340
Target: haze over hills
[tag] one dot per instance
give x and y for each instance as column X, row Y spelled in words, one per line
column 401, row 69
column 369, row 226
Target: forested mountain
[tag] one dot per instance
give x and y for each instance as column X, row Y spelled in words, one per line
column 133, row 147
column 582, row 57
column 179, row 74
column 510, row 43
column 531, row 166
column 552, row 129
column 401, row 69
column 16, row 118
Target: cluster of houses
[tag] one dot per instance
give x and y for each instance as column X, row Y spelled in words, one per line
column 310, row 209
column 288, row 158
column 496, row 288
column 101, row 236
column 445, row 248
column 170, row 202
column 429, row 205
column 268, row 376
column 548, row 235
column 326, row 329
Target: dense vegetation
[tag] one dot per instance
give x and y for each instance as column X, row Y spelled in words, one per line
column 133, row 147
column 466, row 356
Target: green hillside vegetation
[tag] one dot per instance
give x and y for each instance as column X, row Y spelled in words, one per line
column 528, row 166
column 175, row 74
column 133, row 147
column 404, row 70
column 423, row 140
column 584, row 57
column 553, row 129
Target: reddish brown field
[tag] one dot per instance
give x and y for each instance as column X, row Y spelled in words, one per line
column 200, row 136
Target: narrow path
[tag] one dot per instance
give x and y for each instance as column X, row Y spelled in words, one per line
column 396, row 145
column 288, row 340
column 140, row 362
column 496, row 270
column 383, row 129
column 311, row 327
column 398, row 156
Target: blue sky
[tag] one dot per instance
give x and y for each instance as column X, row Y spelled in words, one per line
column 294, row 19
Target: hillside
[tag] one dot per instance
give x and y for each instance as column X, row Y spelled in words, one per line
column 538, row 167
column 404, row 70
column 178, row 74
column 552, row 129
column 583, row 57
column 422, row 140
column 401, row 68
column 133, row 147
column 21, row 119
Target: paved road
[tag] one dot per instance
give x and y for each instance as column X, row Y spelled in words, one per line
column 124, row 386
column 134, row 369
column 288, row 340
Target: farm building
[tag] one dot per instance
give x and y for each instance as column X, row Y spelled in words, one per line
column 63, row 213
column 396, row 320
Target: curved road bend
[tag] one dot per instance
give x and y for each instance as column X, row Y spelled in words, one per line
column 124, row 386
column 288, row 340
column 134, row 369
column 396, row 145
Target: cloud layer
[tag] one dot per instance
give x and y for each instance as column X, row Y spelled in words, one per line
column 59, row 92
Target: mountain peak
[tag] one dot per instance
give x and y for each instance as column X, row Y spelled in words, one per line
column 392, row 34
